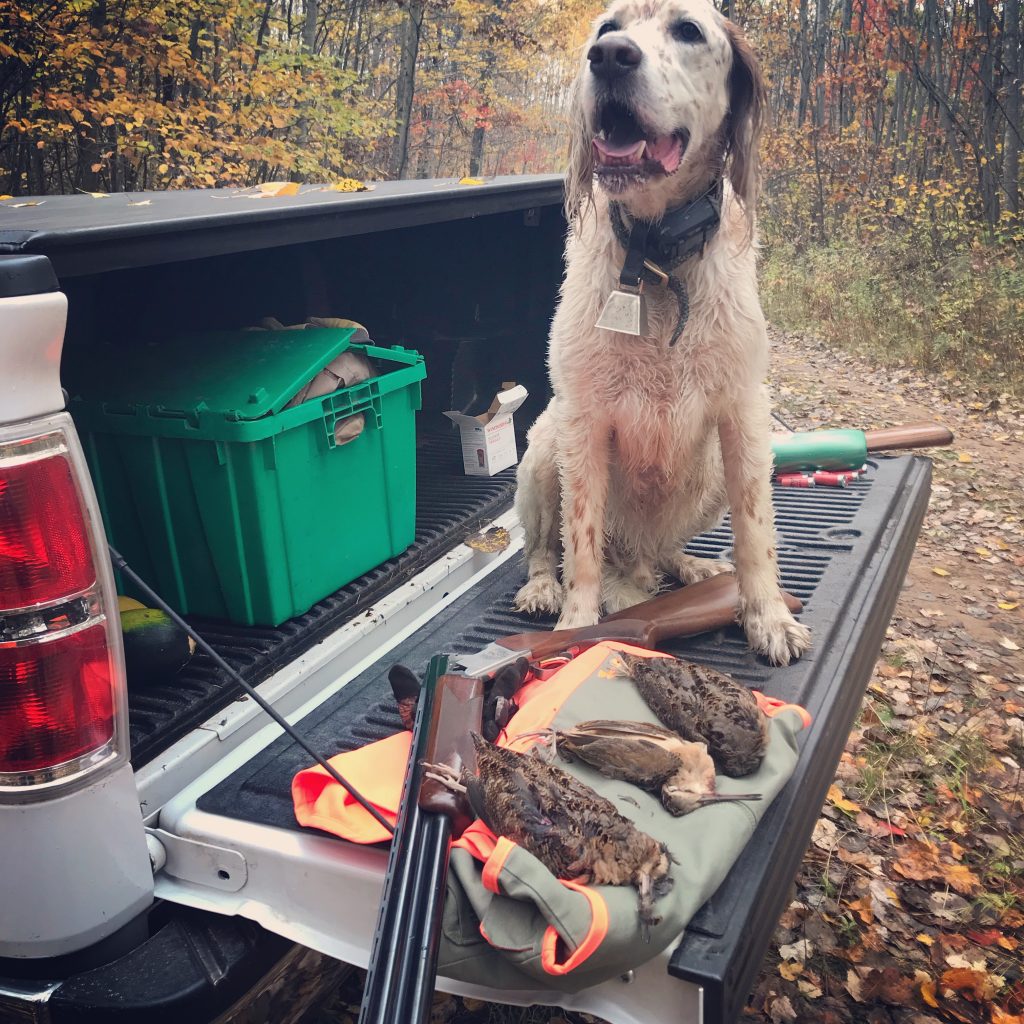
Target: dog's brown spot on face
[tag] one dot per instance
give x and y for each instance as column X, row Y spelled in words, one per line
column 592, row 536
column 771, row 554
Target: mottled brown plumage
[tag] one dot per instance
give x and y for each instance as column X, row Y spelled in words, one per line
column 651, row 757
column 570, row 829
column 703, row 705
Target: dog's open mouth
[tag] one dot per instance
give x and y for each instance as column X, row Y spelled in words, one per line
column 625, row 152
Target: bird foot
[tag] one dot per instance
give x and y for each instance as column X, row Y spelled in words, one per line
column 548, row 742
column 448, row 777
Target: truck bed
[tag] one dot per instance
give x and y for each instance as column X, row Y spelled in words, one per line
column 478, row 271
column 843, row 552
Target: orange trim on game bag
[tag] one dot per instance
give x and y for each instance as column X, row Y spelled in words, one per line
column 591, row 941
column 495, row 864
column 541, row 700
column 772, row 706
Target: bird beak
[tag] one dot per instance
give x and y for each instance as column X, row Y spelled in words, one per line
column 723, row 798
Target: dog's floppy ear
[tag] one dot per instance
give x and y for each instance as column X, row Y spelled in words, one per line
column 579, row 178
column 747, row 109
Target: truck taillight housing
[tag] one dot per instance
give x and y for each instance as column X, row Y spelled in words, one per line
column 62, row 691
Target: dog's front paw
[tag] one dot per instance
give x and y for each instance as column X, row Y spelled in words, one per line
column 772, row 631
column 540, row 595
column 576, row 614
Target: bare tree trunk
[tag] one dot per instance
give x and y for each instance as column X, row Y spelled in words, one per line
column 986, row 156
column 476, row 151
column 821, row 34
column 805, row 65
column 406, row 84
column 845, row 109
column 1014, row 127
column 312, row 14
column 89, row 147
column 261, row 35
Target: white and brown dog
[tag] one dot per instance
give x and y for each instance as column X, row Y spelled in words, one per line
column 645, row 444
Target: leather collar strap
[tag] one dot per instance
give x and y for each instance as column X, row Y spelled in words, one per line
column 682, row 232
column 633, row 270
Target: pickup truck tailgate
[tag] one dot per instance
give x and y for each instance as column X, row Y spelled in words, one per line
column 233, row 845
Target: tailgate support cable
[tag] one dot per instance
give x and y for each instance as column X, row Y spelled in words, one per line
column 159, row 602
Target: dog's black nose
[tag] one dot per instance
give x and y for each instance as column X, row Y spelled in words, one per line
column 613, row 56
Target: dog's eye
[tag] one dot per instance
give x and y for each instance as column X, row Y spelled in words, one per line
column 608, row 26
column 687, row 32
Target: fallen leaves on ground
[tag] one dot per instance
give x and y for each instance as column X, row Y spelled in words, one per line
column 914, row 903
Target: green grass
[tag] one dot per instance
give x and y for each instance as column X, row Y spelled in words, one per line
column 900, row 304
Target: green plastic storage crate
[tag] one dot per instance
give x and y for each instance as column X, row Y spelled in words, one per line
column 228, row 504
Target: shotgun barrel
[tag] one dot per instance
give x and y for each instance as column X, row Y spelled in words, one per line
column 403, row 958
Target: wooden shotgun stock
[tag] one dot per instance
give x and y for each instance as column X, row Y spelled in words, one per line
column 403, row 961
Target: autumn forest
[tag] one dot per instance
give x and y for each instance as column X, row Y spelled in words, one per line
column 896, row 125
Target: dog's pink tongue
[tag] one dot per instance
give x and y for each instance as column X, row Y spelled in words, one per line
column 631, row 152
column 667, row 150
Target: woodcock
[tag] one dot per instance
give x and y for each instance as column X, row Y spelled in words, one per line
column 703, row 705
column 570, row 829
column 648, row 756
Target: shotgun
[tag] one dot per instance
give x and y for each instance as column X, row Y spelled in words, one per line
column 848, row 449
column 403, row 960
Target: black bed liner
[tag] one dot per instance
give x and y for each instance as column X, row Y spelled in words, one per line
column 843, row 552
column 449, row 506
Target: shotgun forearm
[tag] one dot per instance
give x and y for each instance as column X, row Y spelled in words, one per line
column 456, row 712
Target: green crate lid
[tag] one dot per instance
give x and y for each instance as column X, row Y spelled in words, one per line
column 236, row 375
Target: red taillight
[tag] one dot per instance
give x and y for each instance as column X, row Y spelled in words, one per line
column 44, row 541
column 62, row 696
column 56, row 700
